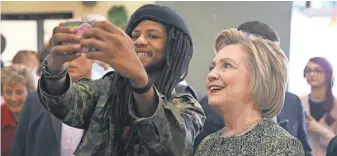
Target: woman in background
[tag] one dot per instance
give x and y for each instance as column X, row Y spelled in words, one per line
column 320, row 105
column 16, row 82
column 246, row 83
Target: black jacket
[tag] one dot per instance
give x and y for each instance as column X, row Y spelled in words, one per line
column 38, row 132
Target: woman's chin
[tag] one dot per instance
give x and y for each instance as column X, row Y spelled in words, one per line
column 214, row 102
column 16, row 109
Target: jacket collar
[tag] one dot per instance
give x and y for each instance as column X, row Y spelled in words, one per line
column 7, row 117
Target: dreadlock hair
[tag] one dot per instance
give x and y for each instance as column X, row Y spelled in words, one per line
column 178, row 53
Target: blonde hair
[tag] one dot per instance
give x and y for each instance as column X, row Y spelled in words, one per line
column 17, row 73
column 267, row 64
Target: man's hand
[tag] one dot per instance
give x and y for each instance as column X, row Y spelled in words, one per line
column 115, row 48
column 61, row 53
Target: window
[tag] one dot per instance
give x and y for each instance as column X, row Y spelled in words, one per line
column 48, row 26
column 20, row 35
column 310, row 37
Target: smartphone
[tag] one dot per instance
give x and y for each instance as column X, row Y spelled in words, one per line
column 80, row 27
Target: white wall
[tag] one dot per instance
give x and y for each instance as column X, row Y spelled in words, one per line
column 20, row 35
column 49, row 26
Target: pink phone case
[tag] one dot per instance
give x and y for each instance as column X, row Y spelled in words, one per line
column 80, row 26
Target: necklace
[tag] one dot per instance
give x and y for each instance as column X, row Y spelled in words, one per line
column 248, row 127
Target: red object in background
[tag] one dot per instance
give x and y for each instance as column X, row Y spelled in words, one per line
column 8, row 125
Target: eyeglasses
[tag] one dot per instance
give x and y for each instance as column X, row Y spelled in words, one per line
column 314, row 71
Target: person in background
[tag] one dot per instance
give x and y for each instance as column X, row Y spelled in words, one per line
column 16, row 82
column 30, row 59
column 38, row 132
column 246, row 82
column 320, row 105
column 292, row 111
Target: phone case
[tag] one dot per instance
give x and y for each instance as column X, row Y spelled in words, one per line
column 80, row 27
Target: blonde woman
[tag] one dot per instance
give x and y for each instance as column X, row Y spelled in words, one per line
column 16, row 82
column 246, row 83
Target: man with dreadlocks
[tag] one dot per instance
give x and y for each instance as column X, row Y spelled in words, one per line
column 133, row 111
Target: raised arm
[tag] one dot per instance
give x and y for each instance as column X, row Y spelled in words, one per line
column 75, row 106
column 71, row 103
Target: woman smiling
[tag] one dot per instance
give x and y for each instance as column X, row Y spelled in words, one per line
column 16, row 82
column 246, row 83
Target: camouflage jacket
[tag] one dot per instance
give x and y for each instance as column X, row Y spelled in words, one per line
column 170, row 131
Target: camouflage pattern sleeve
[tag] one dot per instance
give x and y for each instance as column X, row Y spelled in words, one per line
column 75, row 106
column 171, row 130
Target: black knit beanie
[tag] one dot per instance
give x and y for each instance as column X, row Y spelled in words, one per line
column 157, row 13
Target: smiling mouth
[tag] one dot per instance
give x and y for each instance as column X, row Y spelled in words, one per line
column 215, row 89
column 143, row 54
column 15, row 105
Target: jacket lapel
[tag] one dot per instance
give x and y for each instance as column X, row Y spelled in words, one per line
column 57, row 125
